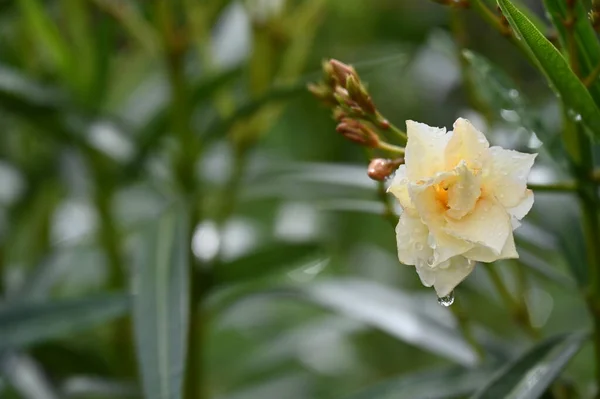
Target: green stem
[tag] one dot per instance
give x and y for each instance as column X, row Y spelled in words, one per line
column 386, row 200
column 516, row 308
column 591, row 78
column 466, row 328
column 390, row 147
column 554, row 187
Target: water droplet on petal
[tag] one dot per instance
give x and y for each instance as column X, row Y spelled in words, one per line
column 418, row 246
column 431, row 241
column 430, row 261
column 447, row 300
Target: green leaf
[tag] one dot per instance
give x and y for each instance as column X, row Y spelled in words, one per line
column 560, row 76
column 587, row 45
column 264, row 261
column 531, row 374
column 26, row 324
column 438, row 384
column 397, row 313
column 44, row 32
column 161, row 305
column 503, row 94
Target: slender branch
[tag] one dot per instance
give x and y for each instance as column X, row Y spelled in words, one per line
column 568, row 186
column 466, row 327
column 389, row 214
column 517, row 308
column 591, row 78
column 390, row 147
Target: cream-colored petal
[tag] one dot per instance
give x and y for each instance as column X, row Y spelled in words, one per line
column 399, row 188
column 424, row 155
column 505, row 175
column 411, row 238
column 484, row 254
column 467, row 144
column 488, row 225
column 446, row 279
column 432, row 212
column 523, row 207
column 464, row 192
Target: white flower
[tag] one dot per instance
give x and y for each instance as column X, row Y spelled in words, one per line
column 461, row 201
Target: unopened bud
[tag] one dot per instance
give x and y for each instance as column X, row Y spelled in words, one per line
column 341, row 95
column 322, row 92
column 380, row 169
column 339, row 114
column 359, row 94
column 341, row 71
column 357, row 132
column 329, row 74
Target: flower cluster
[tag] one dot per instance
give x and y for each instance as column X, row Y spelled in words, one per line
column 461, row 201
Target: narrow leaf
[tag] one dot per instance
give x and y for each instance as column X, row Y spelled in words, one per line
column 437, row 384
column 161, row 306
column 264, row 261
column 560, row 76
column 531, row 374
column 26, row 324
column 396, row 313
column 586, row 42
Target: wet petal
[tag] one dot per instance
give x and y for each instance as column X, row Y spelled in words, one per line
column 506, row 175
column 411, row 237
column 467, row 144
column 523, row 207
column 399, row 187
column 464, row 192
column 424, row 150
column 488, row 225
column 447, row 278
column 484, row 254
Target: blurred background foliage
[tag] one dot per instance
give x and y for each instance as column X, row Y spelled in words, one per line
column 133, row 131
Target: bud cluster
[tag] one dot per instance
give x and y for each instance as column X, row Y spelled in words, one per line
column 356, row 114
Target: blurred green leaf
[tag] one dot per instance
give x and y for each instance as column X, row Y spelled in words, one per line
column 572, row 243
column 586, row 43
column 45, row 33
column 396, row 313
column 25, row 324
column 438, row 384
column 502, row 93
column 560, row 76
column 531, row 374
column 161, row 305
column 268, row 260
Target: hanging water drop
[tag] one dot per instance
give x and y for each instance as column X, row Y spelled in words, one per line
column 447, row 300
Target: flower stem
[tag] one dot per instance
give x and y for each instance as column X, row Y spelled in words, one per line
column 390, row 147
column 568, row 186
column 385, row 198
column 517, row 308
column 466, row 328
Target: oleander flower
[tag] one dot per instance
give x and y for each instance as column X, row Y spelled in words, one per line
column 461, row 201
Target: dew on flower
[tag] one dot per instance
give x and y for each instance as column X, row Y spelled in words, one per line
column 447, row 300
column 418, row 246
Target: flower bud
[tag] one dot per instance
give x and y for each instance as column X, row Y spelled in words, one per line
column 341, row 71
column 359, row 94
column 380, row 169
column 322, row 92
column 358, row 132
